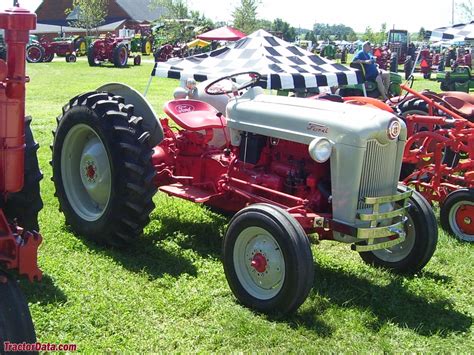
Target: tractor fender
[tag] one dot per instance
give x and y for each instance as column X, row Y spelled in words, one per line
column 142, row 109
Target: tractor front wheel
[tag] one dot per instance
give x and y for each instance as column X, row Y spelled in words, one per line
column 137, row 60
column 267, row 259
column 421, row 238
column 457, row 214
column 102, row 168
column 71, row 58
column 16, row 325
column 120, row 55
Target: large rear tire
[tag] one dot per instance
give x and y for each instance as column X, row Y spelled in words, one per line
column 25, row 205
column 267, row 259
column 120, row 55
column 34, row 53
column 16, row 325
column 91, row 56
column 102, row 169
column 413, row 254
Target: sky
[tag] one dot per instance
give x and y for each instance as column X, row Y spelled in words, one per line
column 358, row 14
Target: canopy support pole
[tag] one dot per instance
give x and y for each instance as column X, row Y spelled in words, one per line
column 269, row 83
column 148, row 86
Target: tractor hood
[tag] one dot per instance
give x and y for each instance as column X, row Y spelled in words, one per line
column 301, row 120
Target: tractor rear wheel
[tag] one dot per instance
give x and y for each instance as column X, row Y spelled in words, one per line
column 120, row 55
column 16, row 325
column 34, row 53
column 147, row 46
column 25, row 205
column 102, row 169
column 267, row 259
column 457, row 214
column 413, row 254
column 80, row 46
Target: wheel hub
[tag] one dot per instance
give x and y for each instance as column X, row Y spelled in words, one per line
column 265, row 262
column 464, row 216
column 95, row 170
column 259, row 262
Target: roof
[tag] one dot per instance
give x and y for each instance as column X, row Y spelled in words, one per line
column 42, row 28
column 222, row 34
column 286, row 66
column 141, row 10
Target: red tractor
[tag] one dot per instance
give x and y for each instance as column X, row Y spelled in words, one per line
column 113, row 49
column 398, row 41
column 19, row 183
column 44, row 50
column 286, row 168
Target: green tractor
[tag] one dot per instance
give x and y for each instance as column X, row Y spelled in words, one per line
column 459, row 79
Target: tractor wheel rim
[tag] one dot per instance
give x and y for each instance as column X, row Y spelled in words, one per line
column 82, row 48
column 259, row 263
column 399, row 251
column 461, row 220
column 123, row 56
column 148, row 48
column 34, row 54
column 86, row 172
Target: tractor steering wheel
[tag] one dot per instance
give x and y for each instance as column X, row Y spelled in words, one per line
column 233, row 83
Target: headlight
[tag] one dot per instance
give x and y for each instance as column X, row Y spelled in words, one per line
column 394, row 129
column 320, row 149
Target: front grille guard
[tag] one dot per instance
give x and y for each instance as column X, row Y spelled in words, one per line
column 370, row 236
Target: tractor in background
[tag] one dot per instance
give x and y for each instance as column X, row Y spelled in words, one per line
column 44, row 50
column 19, row 183
column 116, row 50
column 398, row 41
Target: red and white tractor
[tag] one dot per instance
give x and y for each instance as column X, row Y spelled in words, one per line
column 19, row 183
column 285, row 167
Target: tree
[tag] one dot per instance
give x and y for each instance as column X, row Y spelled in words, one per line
column 381, row 36
column 369, row 34
column 466, row 10
column 421, row 34
column 245, row 16
column 88, row 13
column 177, row 24
column 288, row 32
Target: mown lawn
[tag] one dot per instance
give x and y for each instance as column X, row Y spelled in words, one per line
column 168, row 291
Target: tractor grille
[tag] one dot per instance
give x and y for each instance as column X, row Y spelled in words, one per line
column 378, row 171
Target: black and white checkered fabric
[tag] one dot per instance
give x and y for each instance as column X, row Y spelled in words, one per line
column 285, row 65
column 460, row 32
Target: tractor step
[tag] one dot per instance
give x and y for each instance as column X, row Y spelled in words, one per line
column 187, row 192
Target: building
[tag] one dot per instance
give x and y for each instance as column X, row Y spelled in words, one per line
column 53, row 12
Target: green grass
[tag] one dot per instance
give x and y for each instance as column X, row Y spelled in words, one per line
column 168, row 292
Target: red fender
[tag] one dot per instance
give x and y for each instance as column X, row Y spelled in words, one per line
column 369, row 101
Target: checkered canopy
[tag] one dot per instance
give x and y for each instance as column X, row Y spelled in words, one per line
column 460, row 32
column 285, row 65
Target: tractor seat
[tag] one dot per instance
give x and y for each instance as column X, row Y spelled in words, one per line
column 193, row 115
column 461, row 101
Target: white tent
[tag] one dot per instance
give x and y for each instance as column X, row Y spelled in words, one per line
column 286, row 66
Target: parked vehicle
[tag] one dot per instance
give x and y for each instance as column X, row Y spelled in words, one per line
column 44, row 50
column 285, row 167
column 116, row 50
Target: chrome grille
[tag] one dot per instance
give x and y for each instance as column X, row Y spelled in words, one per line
column 378, row 171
